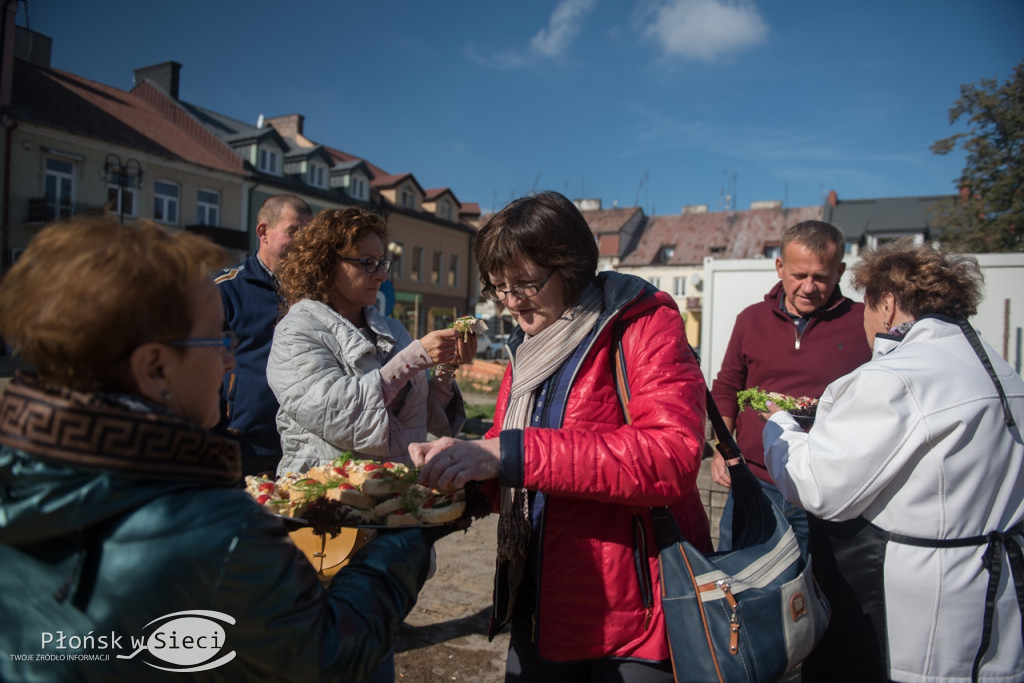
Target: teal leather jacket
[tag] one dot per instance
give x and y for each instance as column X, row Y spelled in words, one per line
column 90, row 558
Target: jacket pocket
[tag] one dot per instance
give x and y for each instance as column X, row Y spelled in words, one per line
column 643, row 568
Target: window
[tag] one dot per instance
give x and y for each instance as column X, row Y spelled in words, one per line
column 445, row 211
column 435, row 268
column 397, row 249
column 165, row 202
column 656, row 281
column 416, row 267
column 316, row 175
column 60, row 184
column 407, row 199
column 359, row 188
column 209, row 207
column 122, row 199
column 678, row 286
column 666, row 253
column 268, row 161
column 453, row 271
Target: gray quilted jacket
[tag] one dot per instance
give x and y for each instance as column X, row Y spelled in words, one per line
column 326, row 376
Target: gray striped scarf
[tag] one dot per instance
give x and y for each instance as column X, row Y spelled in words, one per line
column 536, row 359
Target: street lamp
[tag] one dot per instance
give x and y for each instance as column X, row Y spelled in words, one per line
column 125, row 174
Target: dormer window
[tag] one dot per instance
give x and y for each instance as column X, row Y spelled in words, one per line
column 268, row 161
column 359, row 188
column 317, row 175
column 666, row 253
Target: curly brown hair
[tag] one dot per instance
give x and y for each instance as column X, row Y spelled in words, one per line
column 307, row 270
column 922, row 279
column 88, row 291
column 545, row 228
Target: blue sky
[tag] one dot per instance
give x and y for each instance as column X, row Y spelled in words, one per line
column 656, row 103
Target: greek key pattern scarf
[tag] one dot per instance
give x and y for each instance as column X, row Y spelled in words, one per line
column 536, row 359
column 83, row 429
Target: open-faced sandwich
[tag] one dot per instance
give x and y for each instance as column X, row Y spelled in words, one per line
column 353, row 492
column 797, row 406
column 467, row 325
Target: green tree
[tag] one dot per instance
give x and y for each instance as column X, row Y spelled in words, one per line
column 988, row 215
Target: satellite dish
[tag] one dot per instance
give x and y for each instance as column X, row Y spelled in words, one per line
column 695, row 279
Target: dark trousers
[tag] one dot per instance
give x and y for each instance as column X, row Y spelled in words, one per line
column 525, row 665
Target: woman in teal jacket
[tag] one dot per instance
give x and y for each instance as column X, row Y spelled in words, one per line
column 126, row 552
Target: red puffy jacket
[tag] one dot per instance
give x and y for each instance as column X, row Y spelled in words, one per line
column 601, row 477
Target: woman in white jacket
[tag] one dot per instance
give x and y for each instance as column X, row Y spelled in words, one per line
column 348, row 378
column 914, row 471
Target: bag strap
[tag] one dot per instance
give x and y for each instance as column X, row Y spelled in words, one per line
column 726, row 445
column 750, row 505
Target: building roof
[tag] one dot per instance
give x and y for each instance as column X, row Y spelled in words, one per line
column 605, row 221
column 231, row 130
column 393, row 180
column 64, row 101
column 614, row 229
column 435, row 193
column 723, row 234
column 888, row 215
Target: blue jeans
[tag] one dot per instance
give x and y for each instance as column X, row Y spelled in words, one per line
column 796, row 517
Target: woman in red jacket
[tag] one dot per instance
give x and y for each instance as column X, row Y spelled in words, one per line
column 577, row 572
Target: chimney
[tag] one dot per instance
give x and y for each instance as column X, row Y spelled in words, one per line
column 833, row 199
column 289, row 126
column 587, row 204
column 165, row 75
column 8, row 15
column 33, row 47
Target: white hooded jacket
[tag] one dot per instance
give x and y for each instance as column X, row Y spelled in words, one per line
column 327, row 378
column 915, row 442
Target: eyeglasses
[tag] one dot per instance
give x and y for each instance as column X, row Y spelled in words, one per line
column 371, row 265
column 228, row 340
column 521, row 291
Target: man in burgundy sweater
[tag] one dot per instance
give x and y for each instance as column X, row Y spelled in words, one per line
column 804, row 335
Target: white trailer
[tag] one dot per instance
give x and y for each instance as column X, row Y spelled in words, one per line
column 732, row 285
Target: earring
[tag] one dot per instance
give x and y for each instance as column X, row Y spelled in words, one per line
column 886, row 326
column 165, row 395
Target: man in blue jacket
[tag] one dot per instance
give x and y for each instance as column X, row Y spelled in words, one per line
column 252, row 306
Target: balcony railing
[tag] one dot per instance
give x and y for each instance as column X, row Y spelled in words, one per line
column 45, row 210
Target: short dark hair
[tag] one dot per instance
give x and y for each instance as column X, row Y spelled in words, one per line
column 545, row 228
column 823, row 239
column 307, row 270
column 270, row 210
column 922, row 279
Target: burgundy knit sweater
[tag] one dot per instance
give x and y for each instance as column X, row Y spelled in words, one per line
column 763, row 352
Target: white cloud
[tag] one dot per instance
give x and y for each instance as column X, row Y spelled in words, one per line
column 551, row 41
column 703, row 29
column 562, row 27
